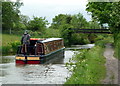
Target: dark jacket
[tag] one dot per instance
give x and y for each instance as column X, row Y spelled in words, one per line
column 25, row 39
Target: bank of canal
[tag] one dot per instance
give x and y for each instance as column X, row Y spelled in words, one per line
column 89, row 66
column 55, row 73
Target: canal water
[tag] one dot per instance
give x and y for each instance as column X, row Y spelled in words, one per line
column 52, row 73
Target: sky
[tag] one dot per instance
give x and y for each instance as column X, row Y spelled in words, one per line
column 51, row 8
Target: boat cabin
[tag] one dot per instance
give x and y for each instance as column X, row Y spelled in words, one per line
column 41, row 46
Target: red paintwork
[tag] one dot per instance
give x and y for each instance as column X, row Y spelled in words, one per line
column 33, row 62
column 20, row 62
column 28, row 62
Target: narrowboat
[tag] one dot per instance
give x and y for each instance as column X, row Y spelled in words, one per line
column 40, row 51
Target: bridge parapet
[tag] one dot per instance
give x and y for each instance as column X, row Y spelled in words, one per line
column 75, row 30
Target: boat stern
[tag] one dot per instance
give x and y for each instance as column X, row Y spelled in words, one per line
column 28, row 60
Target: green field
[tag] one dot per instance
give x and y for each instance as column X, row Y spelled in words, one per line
column 9, row 44
column 7, row 39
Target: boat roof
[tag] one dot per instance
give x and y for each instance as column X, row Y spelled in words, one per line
column 50, row 39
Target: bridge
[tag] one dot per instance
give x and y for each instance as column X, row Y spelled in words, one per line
column 75, row 30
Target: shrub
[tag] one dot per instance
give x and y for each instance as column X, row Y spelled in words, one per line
column 6, row 50
column 14, row 46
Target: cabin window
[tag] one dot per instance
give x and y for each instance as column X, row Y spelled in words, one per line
column 54, row 45
column 59, row 44
column 39, row 49
column 47, row 49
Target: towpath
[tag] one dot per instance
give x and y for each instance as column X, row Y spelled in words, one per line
column 111, row 66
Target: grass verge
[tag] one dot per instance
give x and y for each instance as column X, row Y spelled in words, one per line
column 7, row 39
column 117, row 46
column 89, row 67
column 9, row 44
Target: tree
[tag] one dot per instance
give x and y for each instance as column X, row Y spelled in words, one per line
column 106, row 13
column 24, row 21
column 10, row 14
column 93, row 25
column 59, row 20
column 78, row 21
column 64, row 22
column 0, row 16
column 38, row 24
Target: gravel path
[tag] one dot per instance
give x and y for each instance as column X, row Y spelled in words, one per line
column 111, row 66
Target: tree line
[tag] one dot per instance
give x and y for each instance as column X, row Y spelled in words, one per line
column 13, row 20
column 108, row 12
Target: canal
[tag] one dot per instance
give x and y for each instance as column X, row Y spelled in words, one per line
column 52, row 73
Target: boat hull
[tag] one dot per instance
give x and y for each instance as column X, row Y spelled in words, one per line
column 49, row 58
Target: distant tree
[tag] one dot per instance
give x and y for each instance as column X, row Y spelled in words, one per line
column 10, row 14
column 38, row 24
column 59, row 20
column 64, row 22
column 24, row 20
column 93, row 25
column 78, row 21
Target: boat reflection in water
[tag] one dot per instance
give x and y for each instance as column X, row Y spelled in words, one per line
column 41, row 51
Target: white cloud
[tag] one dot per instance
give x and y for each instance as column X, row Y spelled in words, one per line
column 50, row 8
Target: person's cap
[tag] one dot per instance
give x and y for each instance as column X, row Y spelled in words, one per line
column 26, row 32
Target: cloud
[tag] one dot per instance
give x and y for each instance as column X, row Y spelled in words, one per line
column 51, row 8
